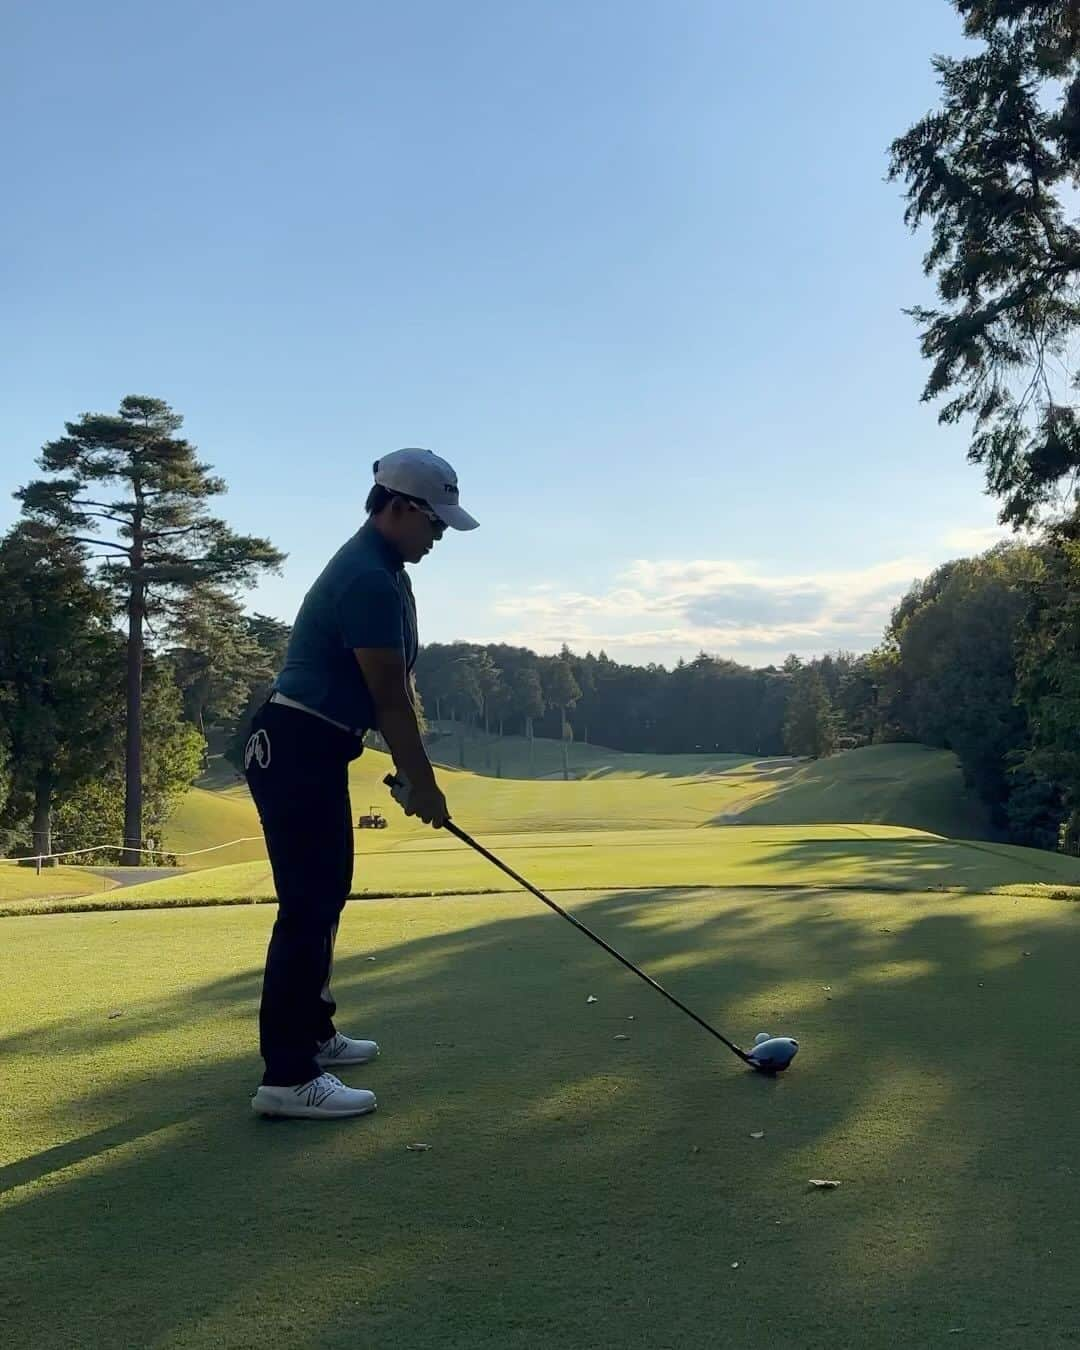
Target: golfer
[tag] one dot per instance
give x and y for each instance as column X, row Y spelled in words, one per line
column 348, row 668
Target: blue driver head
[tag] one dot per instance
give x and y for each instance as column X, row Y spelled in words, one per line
column 772, row 1054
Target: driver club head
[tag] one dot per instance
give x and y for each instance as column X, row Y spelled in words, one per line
column 772, row 1054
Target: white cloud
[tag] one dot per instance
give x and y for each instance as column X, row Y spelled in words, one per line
column 663, row 609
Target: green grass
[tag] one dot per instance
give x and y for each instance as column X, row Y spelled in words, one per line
column 895, row 785
column 909, row 785
column 488, row 754
column 624, row 793
column 741, row 856
column 210, row 820
column 674, row 826
column 678, row 792
column 23, row 883
column 579, row 1190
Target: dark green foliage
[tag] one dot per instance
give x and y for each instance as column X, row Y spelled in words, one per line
column 173, row 754
column 1049, row 673
column 809, row 725
column 708, row 704
column 951, row 678
column 62, row 695
column 990, row 172
column 61, row 668
column 127, row 484
column 218, row 656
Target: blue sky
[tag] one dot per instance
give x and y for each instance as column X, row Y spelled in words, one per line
column 632, row 267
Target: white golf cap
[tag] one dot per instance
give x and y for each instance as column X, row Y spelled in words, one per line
column 420, row 473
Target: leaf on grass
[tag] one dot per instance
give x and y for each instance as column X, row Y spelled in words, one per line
column 757, row 1134
column 734, row 1265
column 418, row 1148
column 115, row 1014
column 591, row 999
column 827, row 987
column 1027, row 953
column 630, row 1018
column 821, row 1185
column 621, row 1037
column 371, row 958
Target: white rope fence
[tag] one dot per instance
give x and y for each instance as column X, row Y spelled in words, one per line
column 39, row 858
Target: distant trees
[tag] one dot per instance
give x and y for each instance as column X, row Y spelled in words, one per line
column 809, row 726
column 708, row 704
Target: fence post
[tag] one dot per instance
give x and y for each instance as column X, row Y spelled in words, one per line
column 37, row 865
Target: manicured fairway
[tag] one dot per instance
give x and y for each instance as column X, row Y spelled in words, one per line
column 904, row 785
column 579, row 1189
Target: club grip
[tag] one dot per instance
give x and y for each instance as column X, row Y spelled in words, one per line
column 392, row 781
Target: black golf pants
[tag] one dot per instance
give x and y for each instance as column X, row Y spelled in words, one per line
column 297, row 769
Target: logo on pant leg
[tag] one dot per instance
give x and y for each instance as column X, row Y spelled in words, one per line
column 257, row 749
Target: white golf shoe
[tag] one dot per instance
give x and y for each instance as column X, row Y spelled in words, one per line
column 341, row 1049
column 323, row 1098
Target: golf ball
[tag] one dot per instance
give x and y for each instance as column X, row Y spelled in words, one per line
column 762, row 1036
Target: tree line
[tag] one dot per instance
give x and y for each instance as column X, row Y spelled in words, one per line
column 96, row 744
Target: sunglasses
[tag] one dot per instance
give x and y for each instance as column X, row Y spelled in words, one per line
column 438, row 525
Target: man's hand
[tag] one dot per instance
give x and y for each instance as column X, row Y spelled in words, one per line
column 426, row 802
column 430, row 805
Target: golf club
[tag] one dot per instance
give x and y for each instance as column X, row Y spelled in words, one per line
column 770, row 1055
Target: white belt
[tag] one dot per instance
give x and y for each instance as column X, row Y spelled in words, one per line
column 285, row 701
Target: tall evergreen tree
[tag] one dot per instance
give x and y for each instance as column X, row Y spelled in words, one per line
column 128, row 484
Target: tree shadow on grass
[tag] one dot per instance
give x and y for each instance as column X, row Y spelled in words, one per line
column 582, row 1190
column 914, row 863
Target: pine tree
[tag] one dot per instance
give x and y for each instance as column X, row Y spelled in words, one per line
column 128, row 484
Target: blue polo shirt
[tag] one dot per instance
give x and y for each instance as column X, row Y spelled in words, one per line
column 363, row 598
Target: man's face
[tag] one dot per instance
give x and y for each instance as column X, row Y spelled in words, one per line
column 419, row 529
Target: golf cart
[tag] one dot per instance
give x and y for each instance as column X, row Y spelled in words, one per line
column 374, row 820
